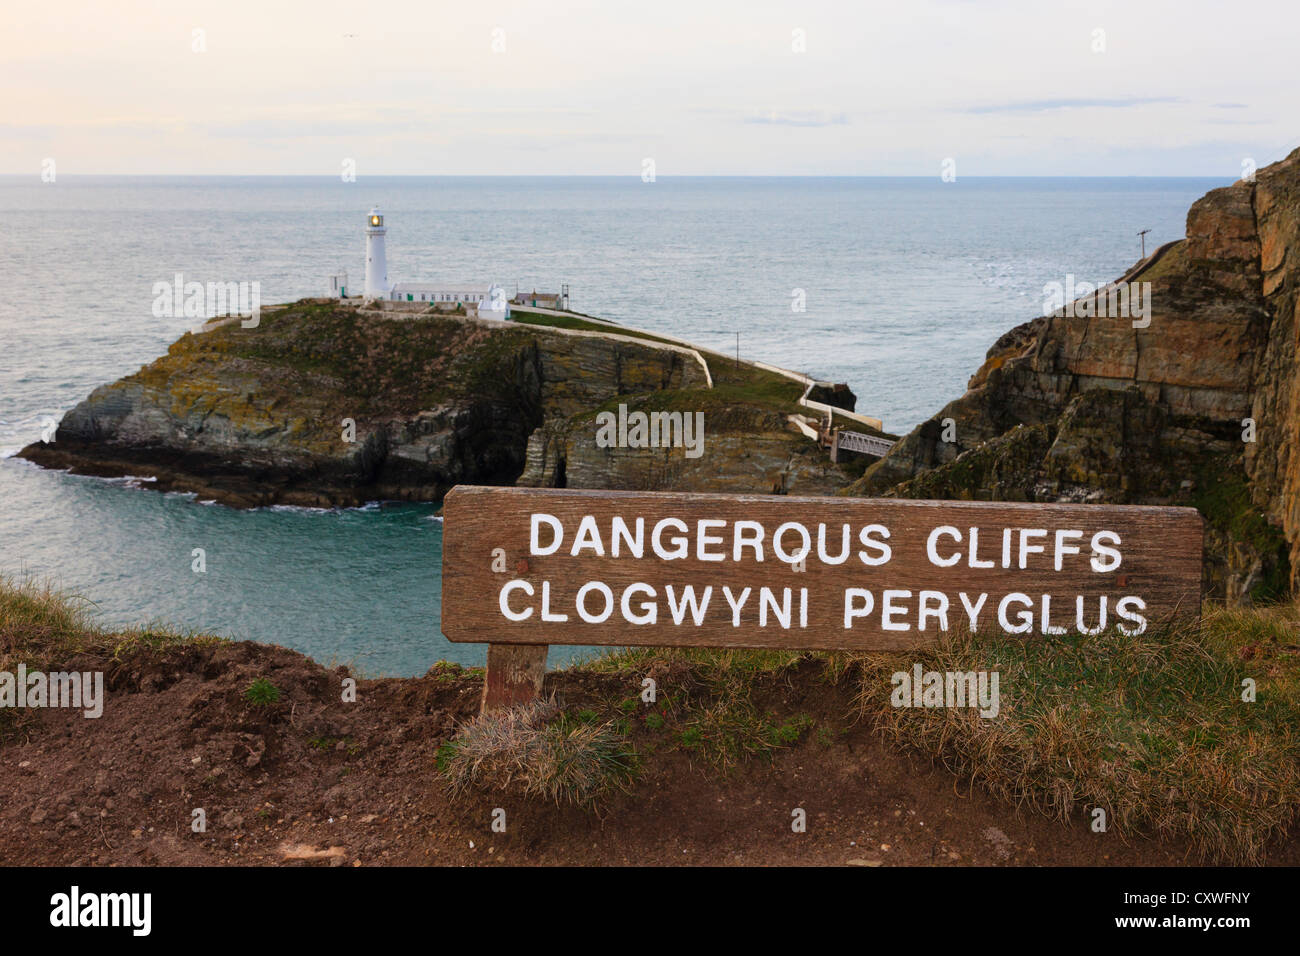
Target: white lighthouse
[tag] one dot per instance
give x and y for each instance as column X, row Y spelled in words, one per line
column 377, row 285
column 420, row 298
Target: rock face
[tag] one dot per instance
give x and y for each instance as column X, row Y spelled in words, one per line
column 1273, row 461
column 747, row 449
column 326, row 404
column 1199, row 407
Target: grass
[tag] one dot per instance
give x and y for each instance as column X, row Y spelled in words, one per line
column 1151, row 728
column 715, row 711
column 575, row 323
column 586, row 754
column 543, row 751
column 262, row 693
column 43, row 626
column 722, row 670
column 402, row 363
column 39, row 623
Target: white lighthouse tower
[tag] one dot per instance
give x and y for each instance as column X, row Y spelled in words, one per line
column 377, row 285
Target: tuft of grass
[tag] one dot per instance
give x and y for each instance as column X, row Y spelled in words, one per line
column 262, row 693
column 157, row 638
column 542, row 751
column 37, row 618
column 731, row 729
column 447, row 672
column 1151, row 728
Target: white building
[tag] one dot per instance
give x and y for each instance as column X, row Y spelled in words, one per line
column 450, row 295
column 488, row 301
column 496, row 306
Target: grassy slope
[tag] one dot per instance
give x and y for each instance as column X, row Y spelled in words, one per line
column 1152, row 729
column 381, row 364
column 734, row 383
column 43, row 627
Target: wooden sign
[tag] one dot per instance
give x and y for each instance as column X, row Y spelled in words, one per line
column 540, row 566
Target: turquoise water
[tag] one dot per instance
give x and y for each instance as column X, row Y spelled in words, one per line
column 358, row 586
column 907, row 281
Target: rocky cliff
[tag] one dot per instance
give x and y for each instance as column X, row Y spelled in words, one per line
column 324, row 403
column 1200, row 405
column 748, row 448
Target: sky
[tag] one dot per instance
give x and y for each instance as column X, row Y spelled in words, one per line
column 597, row 87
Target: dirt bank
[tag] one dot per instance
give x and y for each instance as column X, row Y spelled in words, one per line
column 311, row 780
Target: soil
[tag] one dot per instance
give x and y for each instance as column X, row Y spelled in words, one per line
column 313, row 781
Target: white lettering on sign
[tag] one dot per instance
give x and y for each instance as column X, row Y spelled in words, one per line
column 717, row 540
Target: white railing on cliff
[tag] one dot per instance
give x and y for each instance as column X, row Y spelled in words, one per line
column 621, row 332
column 806, row 380
column 809, row 384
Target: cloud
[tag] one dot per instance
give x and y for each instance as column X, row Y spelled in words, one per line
column 797, row 118
column 1041, row 106
column 118, row 124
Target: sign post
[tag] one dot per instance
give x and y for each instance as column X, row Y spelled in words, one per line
column 616, row 568
column 514, row 675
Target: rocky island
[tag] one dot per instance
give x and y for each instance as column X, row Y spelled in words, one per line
column 338, row 402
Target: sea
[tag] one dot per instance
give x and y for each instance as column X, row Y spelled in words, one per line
column 895, row 286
